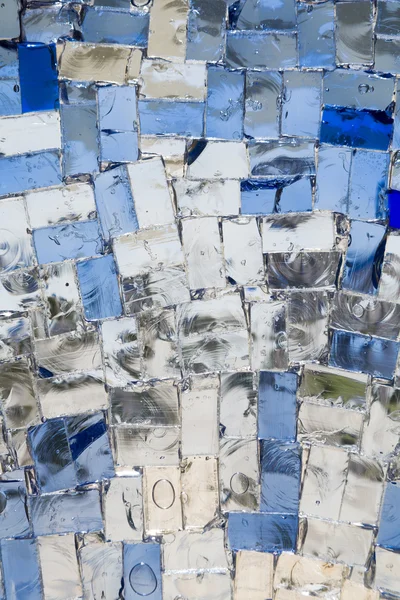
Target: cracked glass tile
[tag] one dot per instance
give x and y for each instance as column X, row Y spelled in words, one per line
column 59, row 566
column 262, row 105
column 280, row 464
column 361, row 270
column 260, row 50
column 238, row 405
column 239, row 474
column 115, row 27
column 98, row 283
column 277, row 405
column 61, row 242
column 21, row 570
column 354, row 33
column 301, row 103
column 316, row 40
column 225, row 102
column 123, row 510
column 333, row 387
column 206, row 30
column 273, row 532
column 363, row 353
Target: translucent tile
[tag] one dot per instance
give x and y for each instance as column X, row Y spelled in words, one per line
column 225, row 101
column 301, row 90
column 262, row 106
column 260, row 50
column 316, row 35
column 354, row 33
column 115, row 27
column 206, row 30
column 118, row 217
column 77, row 240
column 99, row 287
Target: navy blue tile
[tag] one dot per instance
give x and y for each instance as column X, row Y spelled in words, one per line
column 394, row 208
column 99, row 288
column 345, row 126
column 38, row 76
column 264, row 532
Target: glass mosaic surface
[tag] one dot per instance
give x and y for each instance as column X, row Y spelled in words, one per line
column 199, row 300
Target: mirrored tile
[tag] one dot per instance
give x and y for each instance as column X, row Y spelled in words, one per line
column 162, row 500
column 123, row 509
column 316, row 39
column 225, row 103
column 146, row 446
column 56, row 205
column 354, row 33
column 59, row 566
column 268, row 336
column 21, row 569
column 238, row 405
column 206, row 30
column 200, row 497
column 329, row 425
column 260, row 50
column 262, row 106
column 239, row 474
column 333, row 387
column 102, row 569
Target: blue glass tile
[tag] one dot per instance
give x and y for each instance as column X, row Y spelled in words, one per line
column 345, row 126
column 114, row 203
column 296, row 196
column 21, row 572
column 258, row 196
column 206, row 30
column 265, row 14
column 28, row 172
column 80, row 139
column 142, row 571
column 394, row 208
column 260, row 50
column 9, row 65
column 389, row 526
column 38, row 77
column 316, row 26
column 286, row 157
column 262, row 107
column 266, row 196
column 75, row 240
column 99, row 288
column 160, row 117
column 363, row 259
column 52, row 456
column 13, row 516
column 65, row 513
column 277, row 405
column 10, row 97
column 264, row 532
column 225, row 104
column 115, row 27
column 356, row 352
column 90, row 448
column 368, row 180
column 118, row 123
column 280, row 477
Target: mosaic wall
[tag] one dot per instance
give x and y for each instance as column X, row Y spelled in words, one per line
column 199, row 300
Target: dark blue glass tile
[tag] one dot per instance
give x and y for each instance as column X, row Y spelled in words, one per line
column 75, row 240
column 389, row 526
column 225, row 104
column 65, row 513
column 28, row 172
column 119, row 216
column 345, row 126
column 21, row 572
column 52, row 457
column 280, row 476
column 277, row 405
column 115, row 27
column 356, row 352
column 363, row 259
column 90, row 448
column 99, row 288
column 10, row 97
column 264, row 532
column 161, row 117
column 38, row 77
column 13, row 515
column 142, row 571
column 394, row 208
